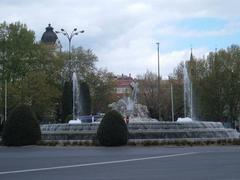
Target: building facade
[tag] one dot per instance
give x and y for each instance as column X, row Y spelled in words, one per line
column 123, row 86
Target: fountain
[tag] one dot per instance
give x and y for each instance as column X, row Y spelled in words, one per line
column 129, row 107
column 188, row 106
column 77, row 107
column 79, row 114
column 140, row 126
column 187, row 96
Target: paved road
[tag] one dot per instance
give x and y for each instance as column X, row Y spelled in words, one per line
column 126, row 163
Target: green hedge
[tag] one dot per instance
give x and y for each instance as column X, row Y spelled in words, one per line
column 112, row 130
column 21, row 128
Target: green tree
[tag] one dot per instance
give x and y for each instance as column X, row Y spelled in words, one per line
column 17, row 50
column 29, row 67
column 35, row 90
column 82, row 62
column 148, row 92
column 221, row 85
column 215, row 82
column 101, row 83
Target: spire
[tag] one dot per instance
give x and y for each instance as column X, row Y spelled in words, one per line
column 215, row 54
column 212, row 61
column 191, row 55
column 192, row 64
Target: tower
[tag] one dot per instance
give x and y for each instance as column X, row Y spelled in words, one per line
column 49, row 36
column 50, row 39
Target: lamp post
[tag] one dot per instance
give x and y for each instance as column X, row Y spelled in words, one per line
column 158, row 94
column 69, row 37
column 172, row 102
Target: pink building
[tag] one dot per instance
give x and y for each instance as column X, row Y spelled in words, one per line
column 123, row 85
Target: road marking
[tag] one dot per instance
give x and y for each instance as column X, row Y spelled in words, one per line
column 96, row 163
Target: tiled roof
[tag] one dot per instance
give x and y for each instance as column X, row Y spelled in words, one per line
column 124, row 81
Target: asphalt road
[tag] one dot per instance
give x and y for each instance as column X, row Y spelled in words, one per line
column 126, row 163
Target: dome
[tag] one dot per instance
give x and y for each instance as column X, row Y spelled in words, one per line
column 49, row 36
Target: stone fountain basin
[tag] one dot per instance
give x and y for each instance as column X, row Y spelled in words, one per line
column 142, row 130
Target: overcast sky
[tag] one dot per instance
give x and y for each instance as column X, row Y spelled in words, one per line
column 123, row 33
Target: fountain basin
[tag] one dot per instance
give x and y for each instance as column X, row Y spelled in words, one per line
column 143, row 130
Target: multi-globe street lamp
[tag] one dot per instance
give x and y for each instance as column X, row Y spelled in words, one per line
column 69, row 37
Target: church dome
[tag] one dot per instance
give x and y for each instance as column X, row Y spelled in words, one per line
column 49, row 36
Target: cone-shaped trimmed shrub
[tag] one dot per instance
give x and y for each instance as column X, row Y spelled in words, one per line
column 21, row 128
column 112, row 130
column 85, row 98
column 67, row 101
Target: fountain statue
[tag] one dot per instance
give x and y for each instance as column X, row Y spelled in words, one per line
column 129, row 107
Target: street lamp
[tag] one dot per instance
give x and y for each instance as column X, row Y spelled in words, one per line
column 171, row 87
column 158, row 94
column 69, row 37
